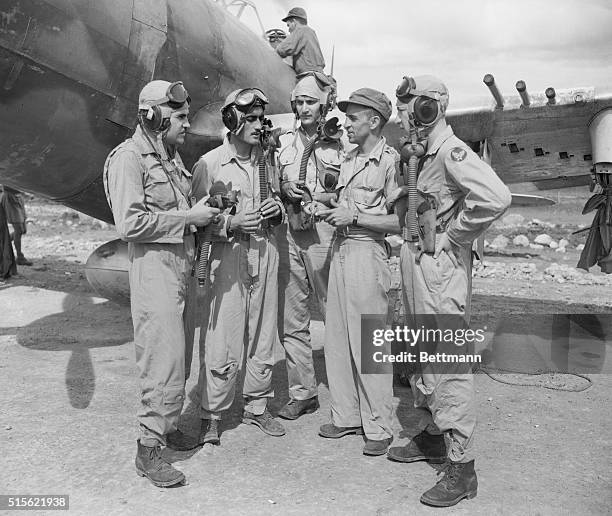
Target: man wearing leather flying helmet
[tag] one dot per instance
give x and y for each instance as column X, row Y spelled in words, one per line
column 241, row 303
column 310, row 163
column 466, row 196
column 359, row 276
column 148, row 190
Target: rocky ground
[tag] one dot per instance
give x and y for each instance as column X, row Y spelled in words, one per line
column 68, row 389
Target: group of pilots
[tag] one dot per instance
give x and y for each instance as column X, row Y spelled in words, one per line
column 300, row 214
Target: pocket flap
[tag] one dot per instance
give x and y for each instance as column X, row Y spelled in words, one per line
column 173, row 394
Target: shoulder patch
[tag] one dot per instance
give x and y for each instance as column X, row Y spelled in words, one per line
column 458, row 154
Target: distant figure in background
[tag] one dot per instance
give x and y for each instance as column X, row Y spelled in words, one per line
column 302, row 43
column 7, row 258
column 14, row 208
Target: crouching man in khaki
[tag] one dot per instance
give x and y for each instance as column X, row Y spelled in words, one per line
column 359, row 277
column 241, row 301
column 467, row 197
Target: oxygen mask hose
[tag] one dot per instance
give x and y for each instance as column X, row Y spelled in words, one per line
column 305, row 157
column 414, row 151
column 217, row 193
column 203, row 271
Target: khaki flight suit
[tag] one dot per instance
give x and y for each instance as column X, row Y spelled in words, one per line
column 303, row 45
column 469, row 196
column 150, row 208
column 359, row 283
column 304, row 258
column 241, row 300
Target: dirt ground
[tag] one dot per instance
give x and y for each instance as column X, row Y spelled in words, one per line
column 68, row 391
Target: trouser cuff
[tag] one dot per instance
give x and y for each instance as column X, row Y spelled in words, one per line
column 255, row 406
column 150, row 438
column 207, row 414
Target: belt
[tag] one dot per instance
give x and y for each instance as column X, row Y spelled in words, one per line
column 355, row 232
column 245, row 237
column 439, row 230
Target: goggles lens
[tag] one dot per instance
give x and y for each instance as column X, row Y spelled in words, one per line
column 408, row 88
column 323, row 81
column 177, row 95
column 403, row 90
column 250, row 96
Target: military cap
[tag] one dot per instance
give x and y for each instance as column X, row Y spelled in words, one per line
column 296, row 12
column 370, row 98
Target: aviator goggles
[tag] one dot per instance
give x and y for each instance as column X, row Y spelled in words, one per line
column 323, row 80
column 250, row 96
column 408, row 88
column 176, row 96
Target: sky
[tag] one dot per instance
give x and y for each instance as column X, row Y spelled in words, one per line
column 558, row 43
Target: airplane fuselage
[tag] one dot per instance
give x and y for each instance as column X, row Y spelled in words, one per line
column 71, row 70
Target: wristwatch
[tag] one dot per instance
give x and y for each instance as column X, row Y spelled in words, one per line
column 355, row 219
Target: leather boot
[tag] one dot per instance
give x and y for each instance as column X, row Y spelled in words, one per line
column 376, row 447
column 424, row 446
column 459, row 482
column 332, row 431
column 296, row 408
column 209, row 432
column 265, row 421
column 149, row 463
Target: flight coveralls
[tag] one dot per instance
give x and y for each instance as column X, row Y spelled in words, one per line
column 359, row 283
column 241, row 300
column 303, row 45
column 469, row 197
column 150, row 208
column 304, row 259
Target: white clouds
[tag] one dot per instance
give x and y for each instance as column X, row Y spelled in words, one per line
column 564, row 43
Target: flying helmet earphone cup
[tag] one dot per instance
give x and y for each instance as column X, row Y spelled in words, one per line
column 153, row 119
column 294, row 107
column 230, row 118
column 426, row 110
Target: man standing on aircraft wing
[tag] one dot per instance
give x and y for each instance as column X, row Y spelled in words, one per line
column 302, row 43
column 463, row 195
column 148, row 190
column 310, row 164
column 241, row 303
column 359, row 277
